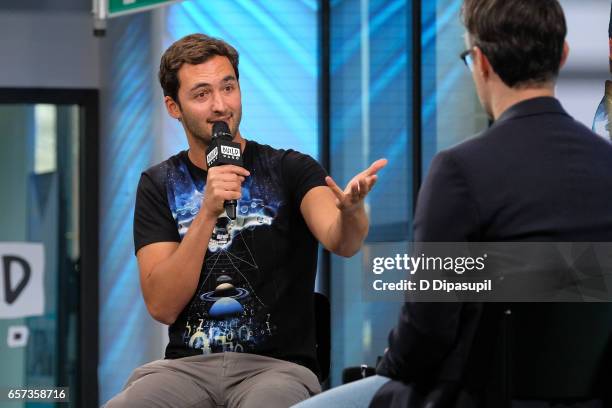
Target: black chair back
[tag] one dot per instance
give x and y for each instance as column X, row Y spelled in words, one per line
column 558, row 350
column 323, row 333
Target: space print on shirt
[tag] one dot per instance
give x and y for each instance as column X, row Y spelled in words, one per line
column 226, row 313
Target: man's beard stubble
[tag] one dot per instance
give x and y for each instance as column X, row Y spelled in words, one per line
column 201, row 132
column 198, row 132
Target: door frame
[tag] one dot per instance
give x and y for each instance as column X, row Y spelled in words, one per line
column 88, row 332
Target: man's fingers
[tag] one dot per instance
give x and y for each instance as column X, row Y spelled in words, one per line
column 375, row 167
column 354, row 191
column 230, row 195
column 241, row 171
column 225, row 192
column 229, row 177
column 334, row 187
column 371, row 180
column 363, row 187
column 230, row 168
column 358, row 188
column 227, row 186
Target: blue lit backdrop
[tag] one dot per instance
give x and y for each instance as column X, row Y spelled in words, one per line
column 371, row 117
column 126, row 150
column 450, row 110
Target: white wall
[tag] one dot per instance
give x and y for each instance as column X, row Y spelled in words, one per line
column 581, row 82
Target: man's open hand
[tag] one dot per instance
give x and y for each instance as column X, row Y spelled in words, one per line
column 357, row 189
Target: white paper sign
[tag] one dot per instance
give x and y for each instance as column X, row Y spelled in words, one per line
column 17, row 336
column 22, row 268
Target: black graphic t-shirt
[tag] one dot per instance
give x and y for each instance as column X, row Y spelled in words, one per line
column 255, row 293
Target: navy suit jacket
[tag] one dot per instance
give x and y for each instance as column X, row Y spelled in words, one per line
column 535, row 175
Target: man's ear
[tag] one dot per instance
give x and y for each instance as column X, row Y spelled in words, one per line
column 564, row 54
column 172, row 107
column 481, row 63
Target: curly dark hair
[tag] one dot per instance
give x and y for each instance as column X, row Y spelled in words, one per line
column 522, row 39
column 191, row 49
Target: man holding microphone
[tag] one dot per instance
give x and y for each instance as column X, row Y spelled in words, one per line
column 237, row 293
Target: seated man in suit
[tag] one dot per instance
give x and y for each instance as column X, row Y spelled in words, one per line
column 535, row 175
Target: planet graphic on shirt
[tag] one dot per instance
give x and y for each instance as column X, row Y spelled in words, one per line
column 225, row 299
column 225, row 290
column 224, row 279
column 225, row 307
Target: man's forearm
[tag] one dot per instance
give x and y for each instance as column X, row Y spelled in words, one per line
column 171, row 283
column 348, row 232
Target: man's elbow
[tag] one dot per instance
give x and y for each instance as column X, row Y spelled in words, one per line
column 346, row 251
column 162, row 315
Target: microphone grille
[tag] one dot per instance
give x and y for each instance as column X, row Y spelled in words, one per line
column 221, row 129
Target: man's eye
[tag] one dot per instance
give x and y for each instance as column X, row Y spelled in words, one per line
column 229, row 88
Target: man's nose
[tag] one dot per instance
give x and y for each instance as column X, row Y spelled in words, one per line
column 218, row 103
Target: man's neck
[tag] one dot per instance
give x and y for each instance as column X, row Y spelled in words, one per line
column 197, row 150
column 505, row 98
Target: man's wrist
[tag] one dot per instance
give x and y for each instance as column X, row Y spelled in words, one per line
column 206, row 215
column 354, row 212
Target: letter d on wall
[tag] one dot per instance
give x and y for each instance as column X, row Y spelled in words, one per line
column 21, row 284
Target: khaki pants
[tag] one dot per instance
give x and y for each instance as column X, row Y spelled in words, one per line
column 217, row 380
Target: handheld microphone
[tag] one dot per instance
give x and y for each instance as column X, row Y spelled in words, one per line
column 223, row 151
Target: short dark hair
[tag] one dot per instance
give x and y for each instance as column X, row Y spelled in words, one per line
column 191, row 49
column 522, row 39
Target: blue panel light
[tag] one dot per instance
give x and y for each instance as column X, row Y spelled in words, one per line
column 125, row 151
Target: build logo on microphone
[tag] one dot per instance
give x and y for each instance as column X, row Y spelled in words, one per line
column 212, row 155
column 232, row 152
